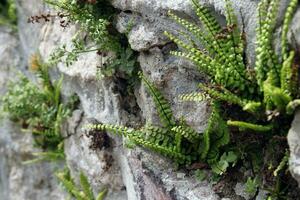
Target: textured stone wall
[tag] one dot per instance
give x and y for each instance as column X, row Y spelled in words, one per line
column 129, row 174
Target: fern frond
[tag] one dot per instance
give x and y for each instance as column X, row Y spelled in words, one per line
column 252, row 106
column 86, row 187
column 282, row 164
column 204, row 63
column 168, row 151
column 42, row 71
column 285, row 27
column 286, row 74
column 225, row 95
column 275, row 95
column 162, row 105
column 196, row 31
column 209, row 21
column 188, row 133
column 70, row 186
column 157, row 135
column 116, row 129
column 266, row 59
column 216, row 133
column 194, row 96
column 102, row 194
column 246, row 125
column 46, row 156
column 236, row 51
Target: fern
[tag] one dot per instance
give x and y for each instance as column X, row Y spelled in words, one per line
column 269, row 89
column 86, row 187
column 52, row 156
column 39, row 109
column 84, row 192
column 95, row 22
column 163, row 108
column 175, row 140
column 283, row 163
column 287, row 20
column 246, row 125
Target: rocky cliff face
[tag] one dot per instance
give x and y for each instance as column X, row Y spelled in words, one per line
column 129, row 174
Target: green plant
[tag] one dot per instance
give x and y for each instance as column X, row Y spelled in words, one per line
column 95, row 20
column 8, row 14
column 200, row 175
column 80, row 193
column 251, row 185
column 264, row 98
column 173, row 139
column 39, row 109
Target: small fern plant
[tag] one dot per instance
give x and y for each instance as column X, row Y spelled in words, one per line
column 94, row 19
column 272, row 86
column 39, row 109
column 79, row 193
column 174, row 139
column 96, row 34
column 268, row 93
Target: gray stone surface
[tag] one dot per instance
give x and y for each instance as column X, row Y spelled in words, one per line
column 294, row 144
column 128, row 174
column 18, row 181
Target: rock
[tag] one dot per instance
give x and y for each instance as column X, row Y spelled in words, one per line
column 240, row 190
column 29, row 33
column 9, row 56
column 18, row 181
column 294, row 144
column 136, row 174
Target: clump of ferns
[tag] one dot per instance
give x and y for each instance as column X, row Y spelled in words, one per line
column 174, row 139
column 39, row 109
column 266, row 95
column 96, row 34
column 231, row 84
column 84, row 192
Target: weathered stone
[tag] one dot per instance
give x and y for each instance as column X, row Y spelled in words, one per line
column 18, row 181
column 144, row 174
column 294, row 144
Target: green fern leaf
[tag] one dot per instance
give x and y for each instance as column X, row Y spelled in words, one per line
column 246, row 125
column 86, row 187
column 163, row 108
column 102, row 194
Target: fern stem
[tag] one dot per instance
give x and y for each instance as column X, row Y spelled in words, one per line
column 246, row 125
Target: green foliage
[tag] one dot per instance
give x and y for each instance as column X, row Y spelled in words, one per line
column 50, row 156
column 39, row 109
column 225, row 161
column 223, row 59
column 267, row 94
column 8, row 13
column 84, row 192
column 200, row 175
column 283, row 163
column 95, row 19
column 125, row 61
column 246, row 125
column 251, row 185
column 174, row 139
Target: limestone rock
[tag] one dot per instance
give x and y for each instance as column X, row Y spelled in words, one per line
column 294, row 144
